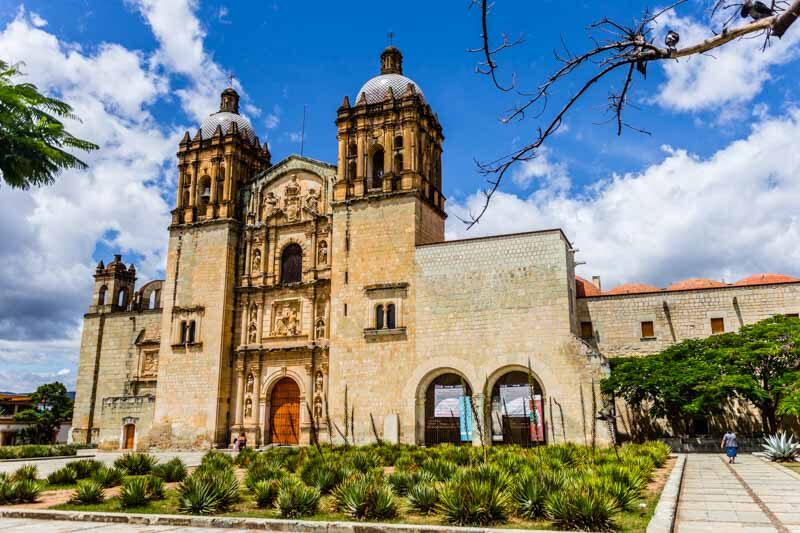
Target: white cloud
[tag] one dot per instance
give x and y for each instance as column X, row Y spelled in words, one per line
column 725, row 216
column 732, row 74
column 552, row 174
column 222, row 15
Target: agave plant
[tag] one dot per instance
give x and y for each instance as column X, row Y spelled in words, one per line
column 365, row 497
column 780, row 448
column 136, row 463
column 265, row 492
column 26, row 491
column 26, row 472
column 470, row 500
column 6, row 490
column 108, row 477
column 156, row 489
column 196, row 496
column 88, row 492
column 84, row 468
column 172, row 471
column 134, row 492
column 582, row 507
column 295, row 499
column 529, row 495
column 63, row 476
column 321, row 475
column 264, row 470
column 423, row 497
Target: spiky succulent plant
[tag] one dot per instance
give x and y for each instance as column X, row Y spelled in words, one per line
column 781, row 447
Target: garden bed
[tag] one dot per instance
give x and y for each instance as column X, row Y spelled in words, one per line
column 556, row 487
column 31, row 451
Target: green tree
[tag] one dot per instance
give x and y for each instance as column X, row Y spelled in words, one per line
column 33, row 141
column 51, row 406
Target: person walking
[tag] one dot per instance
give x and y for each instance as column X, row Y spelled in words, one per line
column 730, row 445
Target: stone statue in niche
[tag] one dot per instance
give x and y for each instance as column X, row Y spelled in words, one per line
column 256, row 268
column 293, row 188
column 318, row 409
column 319, row 328
column 150, row 363
column 322, row 253
column 248, row 408
column 250, row 382
column 312, row 200
column 287, row 322
column 270, row 204
column 253, row 313
column 318, row 382
column 292, row 200
column 252, row 334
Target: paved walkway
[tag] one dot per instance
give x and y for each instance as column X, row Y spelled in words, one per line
column 26, row 525
column 46, row 466
column 750, row 496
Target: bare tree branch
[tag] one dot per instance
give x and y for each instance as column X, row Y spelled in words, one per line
column 631, row 47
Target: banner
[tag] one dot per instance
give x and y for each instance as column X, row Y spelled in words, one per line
column 465, row 418
column 537, row 419
column 445, row 401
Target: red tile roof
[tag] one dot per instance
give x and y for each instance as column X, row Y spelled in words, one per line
column 765, row 279
column 633, row 288
column 695, row 283
column 584, row 288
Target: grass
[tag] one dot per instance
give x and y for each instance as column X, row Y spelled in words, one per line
column 575, row 459
column 795, row 467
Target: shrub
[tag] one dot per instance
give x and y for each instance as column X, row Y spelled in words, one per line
column 362, row 460
column 134, row 492
column 26, row 490
column 265, row 493
column 37, row 450
column 530, row 494
column 88, row 492
column 263, row 470
column 402, row 480
column 581, row 508
column 365, row 497
column 24, row 473
column 245, row 457
column 323, row 476
column 216, row 461
column 6, row 490
column 441, row 469
column 196, row 496
column 474, row 499
column 295, row 499
column 63, row 476
column 136, row 463
column 85, row 467
column 423, row 497
column 108, row 477
column 156, row 489
column 172, row 471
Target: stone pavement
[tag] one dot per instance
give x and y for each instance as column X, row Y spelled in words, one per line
column 46, row 466
column 31, row 525
column 749, row 496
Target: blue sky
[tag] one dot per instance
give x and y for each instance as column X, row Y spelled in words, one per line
column 712, row 192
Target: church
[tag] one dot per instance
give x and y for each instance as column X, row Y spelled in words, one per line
column 309, row 300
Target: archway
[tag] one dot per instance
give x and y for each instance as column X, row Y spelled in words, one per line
column 128, row 436
column 292, row 264
column 284, row 416
column 445, row 399
column 517, row 410
column 377, row 168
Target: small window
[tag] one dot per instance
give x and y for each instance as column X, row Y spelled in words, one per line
column 379, row 317
column 345, row 309
column 587, row 331
column 648, row 330
column 717, row 325
column 184, row 331
column 346, row 277
column 390, row 317
column 190, row 332
column 101, row 300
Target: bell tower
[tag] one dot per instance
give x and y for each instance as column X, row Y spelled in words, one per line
column 387, row 201
column 196, row 351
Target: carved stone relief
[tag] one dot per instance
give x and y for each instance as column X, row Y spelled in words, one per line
column 286, row 321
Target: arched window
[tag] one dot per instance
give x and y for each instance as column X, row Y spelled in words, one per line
column 351, row 170
column 220, row 183
column 398, row 163
column 390, row 316
column 204, row 190
column 292, row 264
column 379, row 317
column 184, row 332
column 398, row 141
column 152, row 303
column 101, row 299
column 122, row 298
column 377, row 167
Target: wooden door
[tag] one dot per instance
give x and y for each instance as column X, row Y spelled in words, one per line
column 130, row 432
column 284, row 421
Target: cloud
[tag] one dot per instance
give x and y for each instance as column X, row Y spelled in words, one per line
column 729, row 75
column 553, row 174
column 222, row 15
column 731, row 214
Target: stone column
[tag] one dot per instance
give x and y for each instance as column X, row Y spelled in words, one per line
column 388, row 141
column 214, row 180
column 257, row 404
column 181, row 179
column 239, row 390
column 260, row 323
column 360, row 157
column 193, row 186
column 342, row 160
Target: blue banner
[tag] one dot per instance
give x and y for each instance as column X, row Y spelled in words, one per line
column 465, row 418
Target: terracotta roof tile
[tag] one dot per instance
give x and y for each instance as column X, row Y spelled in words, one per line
column 633, row 288
column 695, row 283
column 766, row 278
column 584, row 288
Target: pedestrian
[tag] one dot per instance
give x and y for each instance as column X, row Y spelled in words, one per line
column 242, row 441
column 730, row 445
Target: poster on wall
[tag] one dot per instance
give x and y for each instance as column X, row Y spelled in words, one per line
column 537, row 419
column 515, row 400
column 465, row 420
column 445, row 401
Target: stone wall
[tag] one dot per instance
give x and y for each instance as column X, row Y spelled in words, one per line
column 111, row 390
column 679, row 315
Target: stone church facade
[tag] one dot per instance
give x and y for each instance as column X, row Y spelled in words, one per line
column 307, row 298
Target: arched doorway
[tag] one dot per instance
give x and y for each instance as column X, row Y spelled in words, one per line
column 292, row 264
column 128, row 436
column 447, row 410
column 517, row 414
column 284, row 417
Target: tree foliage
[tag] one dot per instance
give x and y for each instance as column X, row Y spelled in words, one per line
column 33, row 140
column 51, row 406
column 759, row 365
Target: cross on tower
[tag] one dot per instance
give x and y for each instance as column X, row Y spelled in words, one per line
column 391, row 38
column 230, row 79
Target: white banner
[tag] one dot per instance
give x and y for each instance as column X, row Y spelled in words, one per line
column 445, row 401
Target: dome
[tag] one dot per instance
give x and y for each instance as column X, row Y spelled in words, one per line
column 765, row 279
column 633, row 288
column 375, row 89
column 695, row 283
column 585, row 288
column 224, row 119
